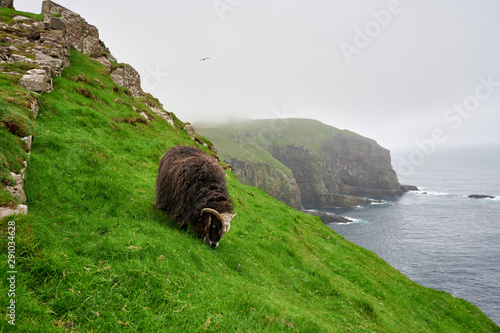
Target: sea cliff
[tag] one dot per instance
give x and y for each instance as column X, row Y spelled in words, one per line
column 331, row 167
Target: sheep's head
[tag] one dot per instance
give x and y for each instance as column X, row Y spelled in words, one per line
column 218, row 224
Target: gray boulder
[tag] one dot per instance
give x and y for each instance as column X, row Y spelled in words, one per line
column 481, row 196
column 53, row 66
column 163, row 114
column 5, row 53
column 190, row 131
column 21, row 209
column 408, row 188
column 129, row 78
column 17, row 190
column 36, row 80
column 55, row 23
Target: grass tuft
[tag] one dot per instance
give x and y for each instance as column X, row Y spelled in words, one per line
column 133, row 120
column 17, row 123
column 85, row 92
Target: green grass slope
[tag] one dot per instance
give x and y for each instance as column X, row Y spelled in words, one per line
column 94, row 255
column 239, row 142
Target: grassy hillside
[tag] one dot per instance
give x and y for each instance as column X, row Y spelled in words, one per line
column 264, row 132
column 250, row 139
column 243, row 143
column 94, row 255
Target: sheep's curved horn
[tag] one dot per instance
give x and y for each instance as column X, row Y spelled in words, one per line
column 211, row 211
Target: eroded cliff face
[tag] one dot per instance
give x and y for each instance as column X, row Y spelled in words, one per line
column 344, row 166
column 331, row 167
column 272, row 181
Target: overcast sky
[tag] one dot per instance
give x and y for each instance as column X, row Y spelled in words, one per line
column 400, row 72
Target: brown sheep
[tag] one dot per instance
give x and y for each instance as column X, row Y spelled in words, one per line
column 191, row 188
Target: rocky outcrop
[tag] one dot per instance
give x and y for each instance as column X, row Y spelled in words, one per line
column 84, row 37
column 126, row 76
column 343, row 167
column 165, row 115
column 79, row 34
column 46, row 45
column 190, row 131
column 41, row 48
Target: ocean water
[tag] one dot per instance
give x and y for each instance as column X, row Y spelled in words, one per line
column 438, row 237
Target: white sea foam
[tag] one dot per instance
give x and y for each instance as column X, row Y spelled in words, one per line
column 429, row 192
column 438, row 193
column 381, row 203
column 320, row 211
column 353, row 220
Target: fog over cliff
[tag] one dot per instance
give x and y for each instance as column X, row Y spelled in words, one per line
column 401, row 72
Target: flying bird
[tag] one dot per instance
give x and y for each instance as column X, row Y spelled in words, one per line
column 203, row 59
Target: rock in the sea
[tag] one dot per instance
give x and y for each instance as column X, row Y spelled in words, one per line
column 408, row 188
column 481, row 196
